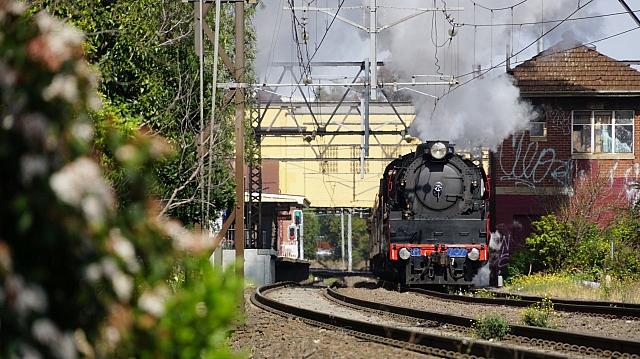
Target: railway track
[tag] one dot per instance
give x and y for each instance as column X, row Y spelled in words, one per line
column 498, row 295
column 625, row 311
column 427, row 332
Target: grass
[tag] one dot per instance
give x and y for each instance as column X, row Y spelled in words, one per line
column 625, row 290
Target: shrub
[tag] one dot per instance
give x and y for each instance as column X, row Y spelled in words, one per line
column 492, row 326
column 549, row 244
column 521, row 262
column 540, row 314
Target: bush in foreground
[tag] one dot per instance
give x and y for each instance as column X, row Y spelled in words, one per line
column 81, row 276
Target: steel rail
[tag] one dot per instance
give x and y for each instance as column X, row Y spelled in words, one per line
column 562, row 305
column 463, row 346
column 590, row 341
column 594, row 303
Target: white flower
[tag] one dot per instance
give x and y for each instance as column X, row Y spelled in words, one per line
column 64, row 87
column 123, row 286
column 125, row 153
column 93, row 272
column 124, row 249
column 152, row 302
column 93, row 210
column 24, row 299
column 83, row 131
column 109, row 267
column 80, row 184
column 112, row 336
column 65, row 348
column 60, row 37
column 45, row 331
column 32, row 166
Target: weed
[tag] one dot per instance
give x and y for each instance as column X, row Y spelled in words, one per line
column 483, row 293
column 491, row 327
column 541, row 314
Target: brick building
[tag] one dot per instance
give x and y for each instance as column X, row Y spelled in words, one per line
column 589, row 109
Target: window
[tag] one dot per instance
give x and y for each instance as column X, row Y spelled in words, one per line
column 538, row 130
column 602, row 131
column 355, row 165
column 326, row 166
column 538, row 126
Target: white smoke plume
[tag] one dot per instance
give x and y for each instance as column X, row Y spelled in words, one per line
column 483, row 279
column 477, row 112
column 481, row 113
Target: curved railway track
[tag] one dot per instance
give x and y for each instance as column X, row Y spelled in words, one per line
column 531, row 298
column 429, row 337
column 607, row 309
column 619, row 310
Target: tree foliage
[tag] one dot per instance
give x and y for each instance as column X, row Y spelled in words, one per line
column 145, row 53
column 80, row 273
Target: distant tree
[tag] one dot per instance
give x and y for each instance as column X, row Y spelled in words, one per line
column 311, row 233
column 388, row 77
column 80, row 274
column 145, row 53
column 331, row 228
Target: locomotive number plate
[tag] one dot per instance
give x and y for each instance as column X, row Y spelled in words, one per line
column 457, row 252
column 415, row 251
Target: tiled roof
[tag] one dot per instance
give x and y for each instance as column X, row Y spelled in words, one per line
column 571, row 67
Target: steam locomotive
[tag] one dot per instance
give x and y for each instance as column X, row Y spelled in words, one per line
column 429, row 221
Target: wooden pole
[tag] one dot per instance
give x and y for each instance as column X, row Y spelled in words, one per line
column 239, row 101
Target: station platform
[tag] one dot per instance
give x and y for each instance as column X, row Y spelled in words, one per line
column 290, row 269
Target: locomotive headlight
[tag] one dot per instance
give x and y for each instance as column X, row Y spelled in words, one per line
column 473, row 254
column 438, row 150
column 404, row 253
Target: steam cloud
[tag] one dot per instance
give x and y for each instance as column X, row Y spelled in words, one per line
column 482, row 111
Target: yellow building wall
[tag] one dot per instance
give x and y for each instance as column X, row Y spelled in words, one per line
column 326, row 169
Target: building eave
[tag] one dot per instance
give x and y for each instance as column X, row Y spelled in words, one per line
column 589, row 93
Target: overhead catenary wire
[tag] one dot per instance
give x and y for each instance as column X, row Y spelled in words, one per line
column 528, row 46
column 590, row 17
column 497, row 9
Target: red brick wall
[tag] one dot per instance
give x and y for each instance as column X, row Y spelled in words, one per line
column 523, row 163
column 524, row 168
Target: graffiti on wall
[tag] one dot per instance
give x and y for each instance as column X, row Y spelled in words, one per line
column 532, row 164
column 500, row 250
column 505, row 243
column 560, row 120
column 630, row 181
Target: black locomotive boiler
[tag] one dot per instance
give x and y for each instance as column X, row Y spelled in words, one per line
column 429, row 221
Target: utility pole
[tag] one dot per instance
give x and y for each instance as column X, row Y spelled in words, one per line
column 201, row 8
column 350, row 238
column 239, row 101
column 342, row 234
column 373, row 31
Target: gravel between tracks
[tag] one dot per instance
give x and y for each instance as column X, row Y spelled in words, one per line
column 266, row 335
column 566, row 321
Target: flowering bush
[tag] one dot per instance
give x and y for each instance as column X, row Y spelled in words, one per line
column 79, row 275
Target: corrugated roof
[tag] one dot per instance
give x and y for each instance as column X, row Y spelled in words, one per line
column 572, row 67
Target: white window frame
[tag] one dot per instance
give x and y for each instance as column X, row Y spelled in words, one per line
column 592, row 130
